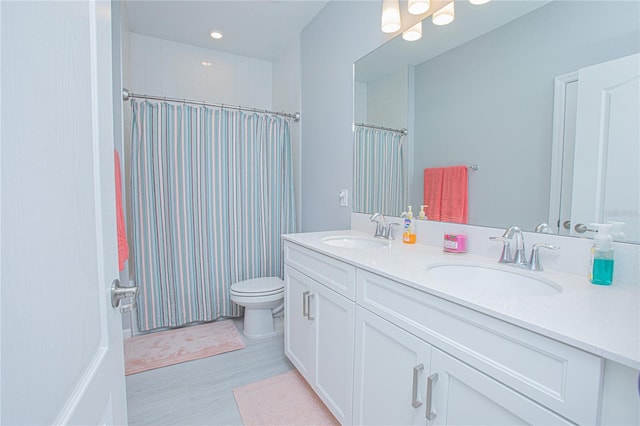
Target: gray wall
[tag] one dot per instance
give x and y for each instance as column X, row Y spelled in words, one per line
column 286, row 97
column 342, row 32
column 490, row 101
column 387, row 102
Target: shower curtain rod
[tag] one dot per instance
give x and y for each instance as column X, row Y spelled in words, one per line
column 126, row 95
column 404, row 132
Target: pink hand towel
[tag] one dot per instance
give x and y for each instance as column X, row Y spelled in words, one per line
column 454, row 207
column 123, row 248
column 433, row 192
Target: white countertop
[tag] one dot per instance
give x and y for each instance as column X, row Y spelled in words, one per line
column 603, row 320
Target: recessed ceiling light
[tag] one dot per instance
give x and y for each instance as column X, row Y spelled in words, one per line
column 215, row 34
column 205, row 63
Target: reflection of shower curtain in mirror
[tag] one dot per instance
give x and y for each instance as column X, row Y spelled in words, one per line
column 379, row 180
column 211, row 193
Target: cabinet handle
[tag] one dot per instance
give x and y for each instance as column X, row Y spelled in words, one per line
column 305, row 304
column 417, row 370
column 430, row 381
column 309, row 297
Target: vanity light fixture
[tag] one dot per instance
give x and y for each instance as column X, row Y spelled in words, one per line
column 445, row 15
column 390, row 16
column 215, row 34
column 414, row 33
column 418, row 7
column 478, row 2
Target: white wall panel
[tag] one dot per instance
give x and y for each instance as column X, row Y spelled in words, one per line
column 166, row 68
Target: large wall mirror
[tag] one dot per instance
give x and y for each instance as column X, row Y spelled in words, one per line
column 504, row 87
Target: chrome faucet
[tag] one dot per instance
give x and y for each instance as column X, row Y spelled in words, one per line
column 520, row 258
column 505, row 256
column 543, row 228
column 534, row 261
column 383, row 229
column 380, row 224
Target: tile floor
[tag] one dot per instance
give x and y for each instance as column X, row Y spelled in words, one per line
column 200, row 392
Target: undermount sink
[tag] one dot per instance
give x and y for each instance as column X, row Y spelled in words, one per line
column 504, row 280
column 349, row 241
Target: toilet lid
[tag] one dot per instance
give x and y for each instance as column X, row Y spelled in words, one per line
column 268, row 285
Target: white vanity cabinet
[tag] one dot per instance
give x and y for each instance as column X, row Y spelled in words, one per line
column 513, row 376
column 319, row 325
column 462, row 395
column 401, row 379
column 380, row 351
column 391, row 367
column 299, row 328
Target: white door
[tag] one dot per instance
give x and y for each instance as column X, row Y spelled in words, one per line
column 463, row 395
column 606, row 169
column 565, row 106
column 299, row 327
column 62, row 358
column 391, row 370
column 335, row 323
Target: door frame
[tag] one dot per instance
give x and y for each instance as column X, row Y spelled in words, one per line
column 558, row 146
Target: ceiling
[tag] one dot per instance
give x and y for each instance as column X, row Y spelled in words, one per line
column 260, row 29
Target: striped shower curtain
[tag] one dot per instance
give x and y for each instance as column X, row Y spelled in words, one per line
column 212, row 192
column 379, row 179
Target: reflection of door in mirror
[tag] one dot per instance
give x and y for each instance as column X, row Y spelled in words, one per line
column 565, row 106
column 568, row 155
column 608, row 142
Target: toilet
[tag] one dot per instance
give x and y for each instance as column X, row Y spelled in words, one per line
column 259, row 297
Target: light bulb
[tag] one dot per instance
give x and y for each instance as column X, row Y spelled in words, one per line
column 414, row 33
column 478, row 2
column 390, row 16
column 444, row 16
column 418, row 7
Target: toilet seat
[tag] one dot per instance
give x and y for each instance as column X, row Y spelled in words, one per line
column 259, row 297
column 258, row 287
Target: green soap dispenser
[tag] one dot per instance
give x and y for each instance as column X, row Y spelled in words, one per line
column 602, row 255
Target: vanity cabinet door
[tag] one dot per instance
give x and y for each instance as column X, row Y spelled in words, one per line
column 298, row 327
column 334, row 318
column 391, row 370
column 463, row 395
column 319, row 340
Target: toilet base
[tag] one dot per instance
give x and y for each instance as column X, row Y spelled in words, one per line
column 258, row 324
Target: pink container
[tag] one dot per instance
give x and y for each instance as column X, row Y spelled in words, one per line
column 455, row 243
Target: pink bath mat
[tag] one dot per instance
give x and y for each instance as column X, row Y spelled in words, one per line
column 282, row 400
column 155, row 350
